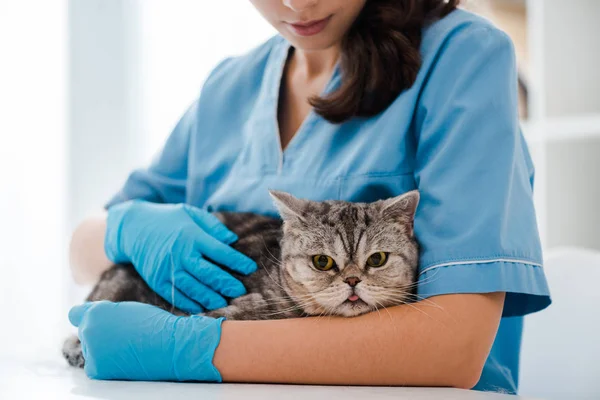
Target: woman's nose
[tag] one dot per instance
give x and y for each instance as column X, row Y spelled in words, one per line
column 299, row 5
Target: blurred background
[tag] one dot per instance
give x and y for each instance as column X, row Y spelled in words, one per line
column 90, row 89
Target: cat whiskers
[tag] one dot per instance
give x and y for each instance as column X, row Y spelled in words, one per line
column 328, row 312
column 299, row 303
column 408, row 296
column 385, row 308
column 282, row 300
column 271, row 277
column 418, row 283
column 396, row 295
column 325, row 312
column 410, row 304
column 377, row 309
column 270, row 255
column 295, row 307
column 400, row 299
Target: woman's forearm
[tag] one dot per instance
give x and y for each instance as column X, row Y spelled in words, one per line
column 86, row 253
column 443, row 341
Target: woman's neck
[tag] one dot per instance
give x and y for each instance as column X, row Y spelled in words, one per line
column 313, row 64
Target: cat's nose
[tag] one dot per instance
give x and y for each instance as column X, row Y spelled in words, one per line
column 352, row 281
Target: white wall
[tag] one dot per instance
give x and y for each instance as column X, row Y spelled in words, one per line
column 32, row 174
column 105, row 101
column 182, row 41
column 572, row 56
column 574, row 193
column 136, row 65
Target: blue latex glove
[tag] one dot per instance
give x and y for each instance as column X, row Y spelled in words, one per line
column 167, row 244
column 135, row 341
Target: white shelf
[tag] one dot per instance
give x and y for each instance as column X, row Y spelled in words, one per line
column 572, row 127
column 554, row 129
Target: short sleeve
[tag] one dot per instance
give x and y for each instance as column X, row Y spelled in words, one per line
column 164, row 181
column 476, row 222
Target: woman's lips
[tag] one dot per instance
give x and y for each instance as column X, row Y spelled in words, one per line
column 309, row 28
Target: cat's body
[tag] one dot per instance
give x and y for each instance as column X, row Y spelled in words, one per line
column 259, row 238
column 289, row 281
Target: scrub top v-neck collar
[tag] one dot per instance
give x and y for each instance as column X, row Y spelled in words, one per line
column 273, row 83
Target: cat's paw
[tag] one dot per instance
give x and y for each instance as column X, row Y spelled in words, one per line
column 72, row 352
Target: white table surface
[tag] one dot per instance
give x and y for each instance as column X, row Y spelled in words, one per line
column 51, row 378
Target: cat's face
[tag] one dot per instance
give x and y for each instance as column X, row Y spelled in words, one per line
column 341, row 258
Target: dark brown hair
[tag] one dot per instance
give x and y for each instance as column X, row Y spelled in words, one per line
column 380, row 56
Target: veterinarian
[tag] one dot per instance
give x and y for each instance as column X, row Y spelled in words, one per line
column 355, row 100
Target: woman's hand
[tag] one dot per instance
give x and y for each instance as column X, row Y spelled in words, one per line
column 135, row 341
column 168, row 243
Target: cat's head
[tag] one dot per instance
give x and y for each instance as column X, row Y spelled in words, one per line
column 342, row 258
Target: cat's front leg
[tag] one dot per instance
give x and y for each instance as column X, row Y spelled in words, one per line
column 252, row 306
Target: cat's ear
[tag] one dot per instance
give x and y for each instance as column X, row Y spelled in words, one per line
column 401, row 207
column 288, row 205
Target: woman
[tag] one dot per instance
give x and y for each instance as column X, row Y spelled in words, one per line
column 414, row 94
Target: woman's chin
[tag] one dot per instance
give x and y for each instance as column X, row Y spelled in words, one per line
column 317, row 42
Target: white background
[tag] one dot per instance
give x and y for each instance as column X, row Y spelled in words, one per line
column 89, row 89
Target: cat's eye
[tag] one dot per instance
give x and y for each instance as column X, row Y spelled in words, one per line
column 323, row 262
column 377, row 259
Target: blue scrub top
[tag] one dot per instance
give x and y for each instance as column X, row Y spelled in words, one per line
column 454, row 136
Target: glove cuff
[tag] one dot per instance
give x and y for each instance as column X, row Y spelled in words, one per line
column 193, row 356
column 112, row 239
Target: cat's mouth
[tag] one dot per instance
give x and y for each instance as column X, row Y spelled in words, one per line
column 353, row 306
column 354, row 301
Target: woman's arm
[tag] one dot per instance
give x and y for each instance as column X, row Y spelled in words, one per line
column 86, row 252
column 443, row 341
